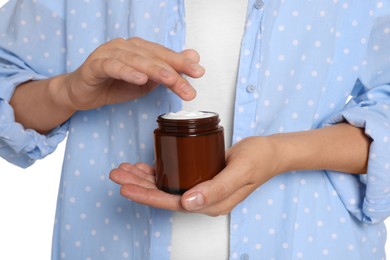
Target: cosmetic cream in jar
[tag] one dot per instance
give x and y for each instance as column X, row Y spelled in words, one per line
column 189, row 149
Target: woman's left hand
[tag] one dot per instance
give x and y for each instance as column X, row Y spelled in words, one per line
column 250, row 163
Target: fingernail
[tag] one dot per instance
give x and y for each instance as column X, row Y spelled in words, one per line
column 194, row 202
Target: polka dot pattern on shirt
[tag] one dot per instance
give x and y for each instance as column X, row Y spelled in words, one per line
column 291, row 78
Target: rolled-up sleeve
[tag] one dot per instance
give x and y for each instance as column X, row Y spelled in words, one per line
column 31, row 48
column 367, row 196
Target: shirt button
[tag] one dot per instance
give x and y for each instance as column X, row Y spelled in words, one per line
column 251, row 88
column 259, row 4
column 244, row 257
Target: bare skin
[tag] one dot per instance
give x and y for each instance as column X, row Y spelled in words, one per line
column 250, row 163
column 123, row 70
column 118, row 71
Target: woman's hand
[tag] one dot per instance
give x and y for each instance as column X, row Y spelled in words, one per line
column 123, row 70
column 117, row 71
column 250, row 163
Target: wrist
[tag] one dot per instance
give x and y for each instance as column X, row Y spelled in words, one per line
column 58, row 91
column 273, row 154
column 290, row 154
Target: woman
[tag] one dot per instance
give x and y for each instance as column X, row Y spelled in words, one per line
column 288, row 184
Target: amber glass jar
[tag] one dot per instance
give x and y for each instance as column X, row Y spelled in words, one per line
column 188, row 151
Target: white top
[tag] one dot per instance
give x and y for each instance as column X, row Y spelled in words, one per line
column 214, row 29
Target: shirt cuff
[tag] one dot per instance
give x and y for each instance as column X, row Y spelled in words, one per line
column 367, row 196
column 21, row 146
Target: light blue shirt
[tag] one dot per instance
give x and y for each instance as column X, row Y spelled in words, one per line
column 299, row 62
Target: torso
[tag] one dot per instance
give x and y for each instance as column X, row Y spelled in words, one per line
column 214, row 29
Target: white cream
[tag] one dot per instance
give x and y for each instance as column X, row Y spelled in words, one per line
column 182, row 115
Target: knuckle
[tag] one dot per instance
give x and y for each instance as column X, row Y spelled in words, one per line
column 221, row 191
column 124, row 166
column 105, row 64
column 118, row 41
column 157, row 61
column 131, row 57
column 136, row 40
column 111, row 44
column 142, row 166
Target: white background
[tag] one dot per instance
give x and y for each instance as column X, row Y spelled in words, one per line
column 27, row 207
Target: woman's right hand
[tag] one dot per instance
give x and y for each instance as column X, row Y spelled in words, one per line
column 122, row 70
column 117, row 71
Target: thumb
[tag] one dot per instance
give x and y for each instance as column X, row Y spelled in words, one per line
column 209, row 192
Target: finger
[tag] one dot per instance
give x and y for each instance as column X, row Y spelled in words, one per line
column 125, row 92
column 225, row 206
column 139, row 166
column 152, row 197
column 191, row 54
column 129, row 174
column 211, row 192
column 157, row 62
column 146, row 168
column 160, row 71
column 170, row 65
column 186, row 62
column 124, row 178
column 103, row 68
